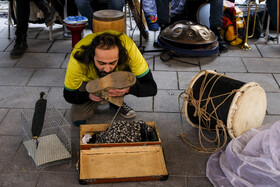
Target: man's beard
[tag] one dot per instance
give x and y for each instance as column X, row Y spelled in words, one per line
column 102, row 73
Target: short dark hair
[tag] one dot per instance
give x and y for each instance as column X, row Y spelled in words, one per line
column 103, row 41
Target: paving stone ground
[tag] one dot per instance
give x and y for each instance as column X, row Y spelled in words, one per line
column 43, row 67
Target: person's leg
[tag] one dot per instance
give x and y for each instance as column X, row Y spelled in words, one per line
column 85, row 9
column 150, row 11
column 116, row 4
column 216, row 22
column 272, row 11
column 164, row 13
column 81, row 112
column 177, row 11
column 50, row 13
column 22, row 17
column 216, row 13
column 149, row 6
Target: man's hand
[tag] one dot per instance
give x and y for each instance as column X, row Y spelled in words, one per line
column 95, row 98
column 118, row 92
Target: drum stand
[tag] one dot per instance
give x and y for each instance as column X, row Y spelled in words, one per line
column 141, row 47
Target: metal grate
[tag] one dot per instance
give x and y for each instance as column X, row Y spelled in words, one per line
column 54, row 145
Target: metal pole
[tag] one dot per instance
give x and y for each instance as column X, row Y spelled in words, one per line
column 277, row 21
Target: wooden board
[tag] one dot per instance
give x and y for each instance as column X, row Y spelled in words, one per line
column 115, row 164
column 96, row 128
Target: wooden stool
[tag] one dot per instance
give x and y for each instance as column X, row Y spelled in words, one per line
column 108, row 20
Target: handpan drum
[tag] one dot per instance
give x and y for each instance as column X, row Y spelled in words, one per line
column 212, row 98
column 187, row 32
column 108, row 20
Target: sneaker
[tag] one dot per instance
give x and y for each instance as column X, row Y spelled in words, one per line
column 125, row 111
column 152, row 22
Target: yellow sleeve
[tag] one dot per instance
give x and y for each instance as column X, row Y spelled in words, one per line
column 74, row 74
column 77, row 72
column 138, row 65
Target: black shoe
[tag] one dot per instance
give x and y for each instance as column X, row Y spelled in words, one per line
column 50, row 17
column 19, row 48
column 125, row 111
column 156, row 45
column 50, row 13
column 222, row 44
column 162, row 27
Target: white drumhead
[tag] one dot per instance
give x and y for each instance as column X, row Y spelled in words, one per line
column 203, row 14
column 247, row 109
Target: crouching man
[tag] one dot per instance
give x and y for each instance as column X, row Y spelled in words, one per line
column 95, row 56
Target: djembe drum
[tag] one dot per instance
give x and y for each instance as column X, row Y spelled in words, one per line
column 212, row 99
column 76, row 24
column 108, row 20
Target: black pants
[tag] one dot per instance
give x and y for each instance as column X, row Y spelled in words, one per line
column 22, row 12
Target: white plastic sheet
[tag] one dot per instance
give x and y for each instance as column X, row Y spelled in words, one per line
column 252, row 159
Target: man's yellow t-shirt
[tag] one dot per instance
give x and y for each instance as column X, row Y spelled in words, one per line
column 77, row 72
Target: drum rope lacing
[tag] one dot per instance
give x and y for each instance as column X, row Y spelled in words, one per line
column 201, row 113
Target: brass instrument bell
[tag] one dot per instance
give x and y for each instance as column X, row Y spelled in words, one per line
column 245, row 45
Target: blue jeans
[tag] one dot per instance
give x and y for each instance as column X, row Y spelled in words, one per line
column 177, row 7
column 216, row 13
column 272, row 11
column 216, row 10
column 85, row 8
column 151, row 6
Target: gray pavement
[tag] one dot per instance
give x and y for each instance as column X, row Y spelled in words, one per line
column 43, row 66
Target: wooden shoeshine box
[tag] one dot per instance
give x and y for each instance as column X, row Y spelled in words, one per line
column 119, row 162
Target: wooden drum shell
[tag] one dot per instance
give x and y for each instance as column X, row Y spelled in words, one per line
column 108, row 20
column 244, row 109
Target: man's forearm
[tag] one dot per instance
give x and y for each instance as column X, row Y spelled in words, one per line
column 144, row 86
column 75, row 97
